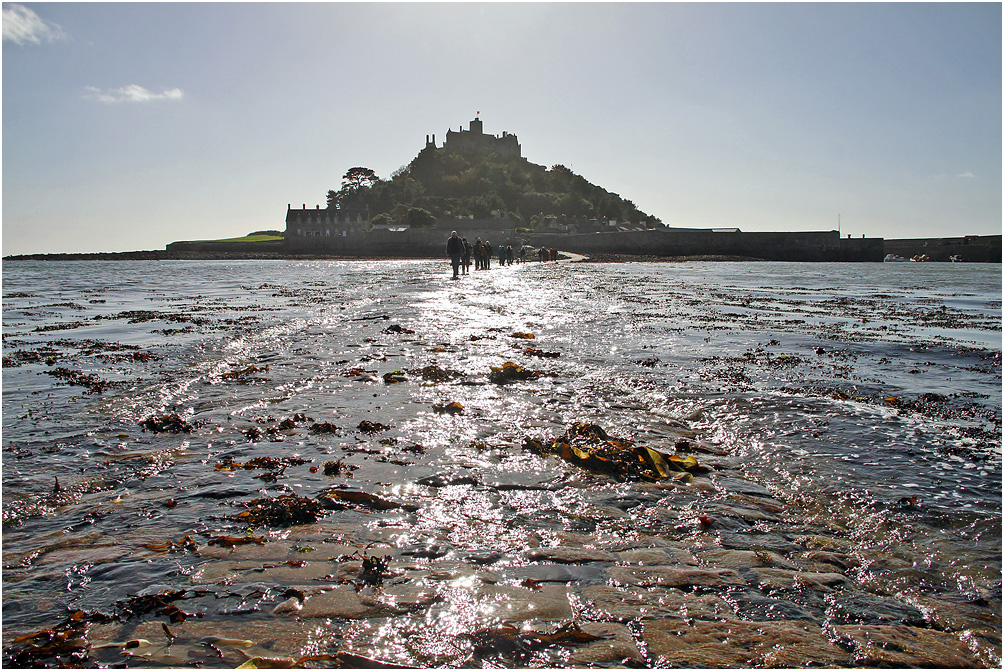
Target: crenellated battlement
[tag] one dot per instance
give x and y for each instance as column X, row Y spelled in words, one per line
column 476, row 141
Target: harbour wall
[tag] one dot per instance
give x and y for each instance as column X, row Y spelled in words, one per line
column 807, row 246
column 972, row 248
column 424, row 243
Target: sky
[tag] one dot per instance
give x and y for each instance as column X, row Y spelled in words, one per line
column 127, row 126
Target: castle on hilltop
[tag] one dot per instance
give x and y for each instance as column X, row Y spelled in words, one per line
column 475, row 141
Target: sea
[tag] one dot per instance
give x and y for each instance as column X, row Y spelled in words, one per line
column 863, row 400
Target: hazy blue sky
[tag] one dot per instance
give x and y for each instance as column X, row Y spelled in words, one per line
column 128, row 126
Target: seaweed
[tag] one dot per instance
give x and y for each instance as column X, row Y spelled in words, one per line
column 338, row 467
column 510, row 371
column 434, row 373
column 341, row 499
column 367, row 426
column 62, row 645
column 588, row 445
column 373, row 571
column 92, row 382
column 234, row 374
column 167, row 424
column 156, row 603
column 186, row 543
column 285, row 510
column 529, row 351
column 234, row 541
column 288, row 423
column 514, row 644
column 324, row 427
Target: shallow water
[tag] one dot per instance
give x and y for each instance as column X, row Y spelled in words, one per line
column 849, row 409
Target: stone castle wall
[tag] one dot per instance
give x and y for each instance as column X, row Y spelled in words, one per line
column 475, row 141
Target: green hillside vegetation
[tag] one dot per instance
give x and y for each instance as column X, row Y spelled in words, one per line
column 258, row 236
column 438, row 185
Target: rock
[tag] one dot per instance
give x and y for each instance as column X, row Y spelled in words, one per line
column 266, row 552
column 274, row 637
column 627, row 604
column 674, row 576
column 783, row 579
column 864, row 608
column 617, row 649
column 83, row 555
column 292, row 605
column 558, row 572
column 650, row 556
column 503, row 602
column 897, row 645
column 340, row 602
column 752, row 540
column 565, row 555
column 824, row 562
column 740, row 644
column 408, row 596
column 827, row 543
column 741, row 559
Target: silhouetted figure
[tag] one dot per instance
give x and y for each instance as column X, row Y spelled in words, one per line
column 455, row 250
column 465, row 260
column 479, row 254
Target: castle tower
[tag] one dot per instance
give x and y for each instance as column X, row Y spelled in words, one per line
column 474, row 141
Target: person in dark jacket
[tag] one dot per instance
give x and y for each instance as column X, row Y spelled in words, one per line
column 455, row 250
column 465, row 261
column 479, row 254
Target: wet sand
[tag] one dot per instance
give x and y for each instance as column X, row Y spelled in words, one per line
column 586, row 563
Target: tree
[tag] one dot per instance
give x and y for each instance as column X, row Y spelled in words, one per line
column 419, row 218
column 357, row 178
column 382, row 219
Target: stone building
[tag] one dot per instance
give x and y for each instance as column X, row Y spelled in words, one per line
column 476, row 141
column 307, row 223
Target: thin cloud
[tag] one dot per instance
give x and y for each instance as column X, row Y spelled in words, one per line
column 133, row 93
column 23, row 26
column 966, row 175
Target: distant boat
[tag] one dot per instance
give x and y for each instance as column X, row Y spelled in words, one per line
column 890, row 258
column 920, row 257
column 955, row 258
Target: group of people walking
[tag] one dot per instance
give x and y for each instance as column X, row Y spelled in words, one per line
column 460, row 252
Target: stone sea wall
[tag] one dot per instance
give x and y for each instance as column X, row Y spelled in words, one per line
column 424, row 243
column 972, row 248
column 807, row 246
